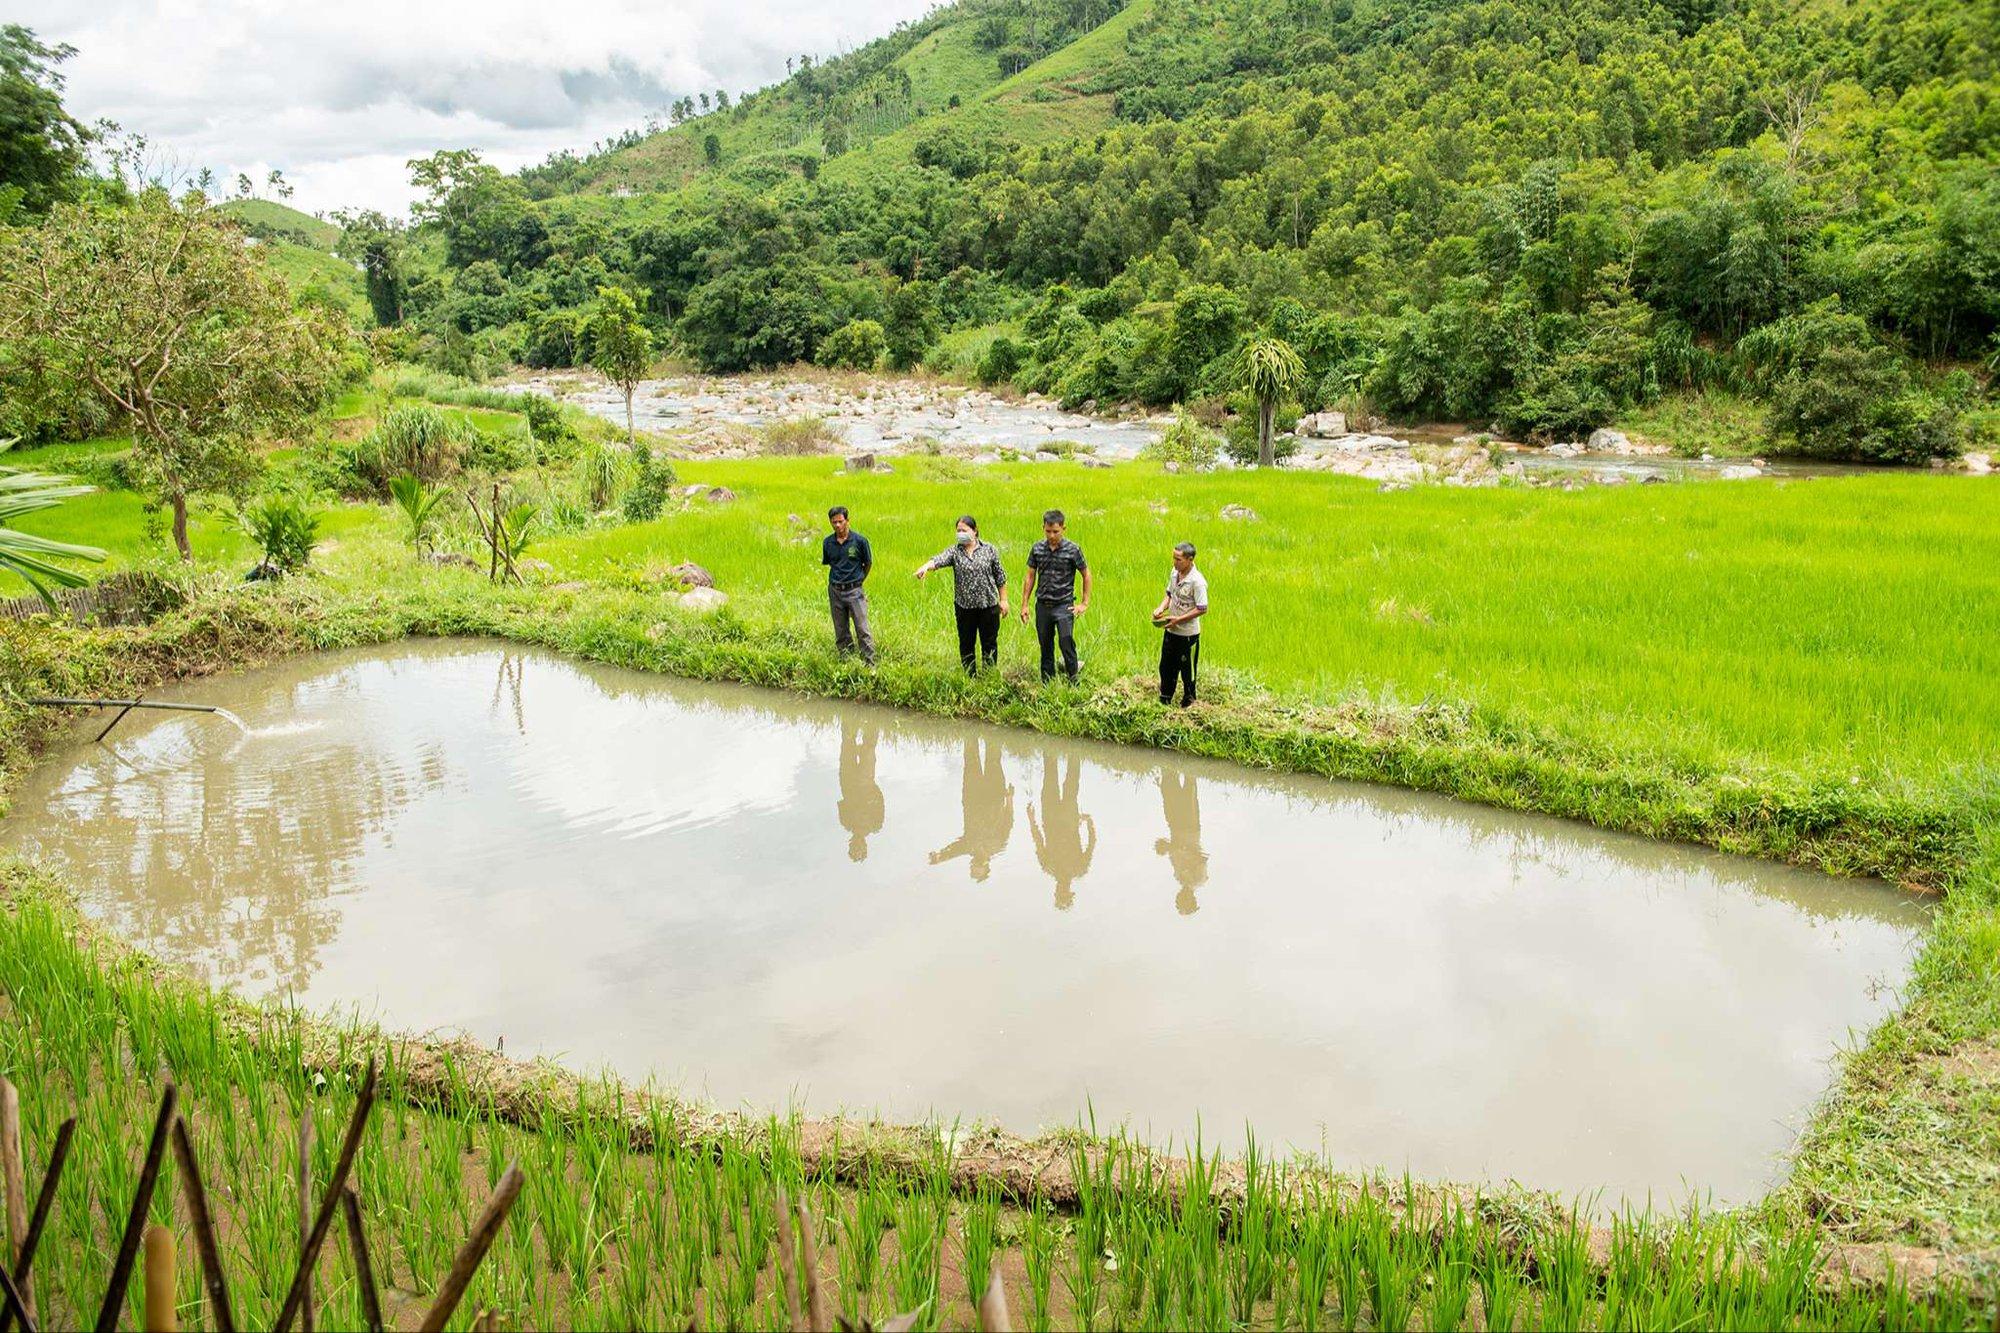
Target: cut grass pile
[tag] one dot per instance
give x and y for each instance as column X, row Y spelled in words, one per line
column 639, row 1216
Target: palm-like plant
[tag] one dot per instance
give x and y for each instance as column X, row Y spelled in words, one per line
column 24, row 492
column 418, row 506
column 1271, row 370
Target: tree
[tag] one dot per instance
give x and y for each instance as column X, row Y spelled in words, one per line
column 711, row 148
column 23, row 492
column 161, row 310
column 377, row 244
column 620, row 346
column 43, row 149
column 1271, row 370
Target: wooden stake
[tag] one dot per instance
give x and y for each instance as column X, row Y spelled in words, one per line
column 816, row 1309
column 305, row 1175
column 993, row 1307
column 14, row 1180
column 204, row 1230
column 474, row 1250
column 10, row 1301
column 44, row 1201
column 364, row 1269
column 160, row 1280
column 787, row 1261
column 135, row 1221
column 323, row 1219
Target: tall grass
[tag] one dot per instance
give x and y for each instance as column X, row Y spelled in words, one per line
column 1837, row 626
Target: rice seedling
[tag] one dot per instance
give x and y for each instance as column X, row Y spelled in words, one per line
column 977, row 1235
column 1038, row 1253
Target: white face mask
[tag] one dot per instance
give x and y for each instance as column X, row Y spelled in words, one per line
column 966, row 536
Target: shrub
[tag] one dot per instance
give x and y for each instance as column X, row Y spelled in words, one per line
column 855, row 345
column 651, row 480
column 549, row 425
column 1187, row 444
column 800, row 436
column 1858, row 403
column 1001, row 362
column 284, row 529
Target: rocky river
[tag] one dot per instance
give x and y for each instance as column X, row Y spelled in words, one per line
column 874, row 417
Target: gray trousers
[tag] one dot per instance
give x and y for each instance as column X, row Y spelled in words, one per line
column 850, row 621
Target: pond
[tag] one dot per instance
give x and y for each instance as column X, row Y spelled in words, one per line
column 772, row 901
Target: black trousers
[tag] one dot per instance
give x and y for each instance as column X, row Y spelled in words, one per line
column 1055, row 623
column 981, row 625
column 1180, row 654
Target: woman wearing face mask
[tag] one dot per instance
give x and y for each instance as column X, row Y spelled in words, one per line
column 979, row 593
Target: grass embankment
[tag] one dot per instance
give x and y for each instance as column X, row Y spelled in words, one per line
column 1796, row 670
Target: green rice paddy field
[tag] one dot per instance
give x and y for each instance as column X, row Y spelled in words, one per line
column 1798, row 669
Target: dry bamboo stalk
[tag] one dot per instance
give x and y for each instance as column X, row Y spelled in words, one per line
column 993, row 1307
column 323, row 1219
column 135, row 1222
column 816, row 1309
column 14, row 1180
column 470, row 1254
column 364, row 1268
column 44, row 1201
column 306, row 1210
column 787, row 1261
column 159, row 1286
column 203, row 1222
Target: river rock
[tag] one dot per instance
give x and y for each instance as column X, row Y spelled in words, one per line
column 1239, row 512
column 1978, row 465
column 703, row 600
column 1323, row 425
column 1044, row 456
column 1091, row 460
column 1564, row 449
column 693, row 575
column 1738, row 473
column 862, row 462
column 1604, row 440
column 718, row 495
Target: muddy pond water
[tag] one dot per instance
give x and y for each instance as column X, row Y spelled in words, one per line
column 771, row 901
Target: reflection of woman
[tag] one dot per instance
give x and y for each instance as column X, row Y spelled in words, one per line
column 987, row 803
column 978, row 593
column 1059, row 841
column 1182, row 845
column 860, row 794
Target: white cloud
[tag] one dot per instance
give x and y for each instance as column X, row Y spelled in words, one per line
column 338, row 97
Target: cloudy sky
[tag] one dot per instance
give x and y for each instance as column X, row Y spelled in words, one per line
column 338, row 96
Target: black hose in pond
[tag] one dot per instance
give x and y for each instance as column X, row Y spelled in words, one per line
column 125, row 706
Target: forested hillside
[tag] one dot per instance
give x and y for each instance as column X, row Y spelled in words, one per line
column 1545, row 216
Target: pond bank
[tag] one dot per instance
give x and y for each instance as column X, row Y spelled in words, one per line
column 1876, row 1195
column 773, row 900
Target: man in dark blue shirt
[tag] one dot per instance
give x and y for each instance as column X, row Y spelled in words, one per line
column 848, row 558
column 1050, row 588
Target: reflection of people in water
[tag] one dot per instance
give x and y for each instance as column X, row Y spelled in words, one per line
column 1182, row 845
column 860, row 795
column 1059, row 841
column 988, row 805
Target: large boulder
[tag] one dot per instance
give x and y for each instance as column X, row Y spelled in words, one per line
column 1604, row 440
column 861, row 462
column 1323, row 425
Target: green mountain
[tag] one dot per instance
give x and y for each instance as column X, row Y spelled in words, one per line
column 1549, row 216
